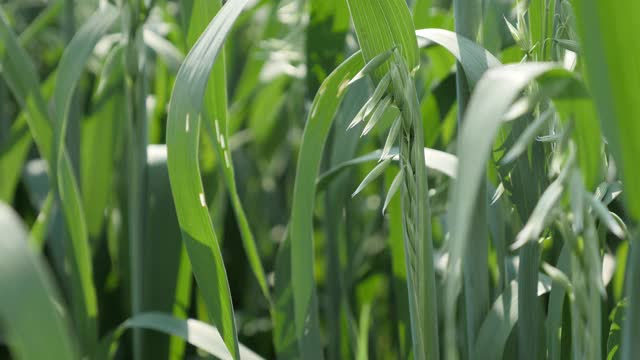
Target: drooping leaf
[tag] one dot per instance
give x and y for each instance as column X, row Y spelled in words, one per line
column 196, row 333
column 474, row 59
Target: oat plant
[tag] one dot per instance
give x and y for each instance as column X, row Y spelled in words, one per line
column 391, row 69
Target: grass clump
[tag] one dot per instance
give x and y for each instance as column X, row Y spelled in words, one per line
column 322, row 179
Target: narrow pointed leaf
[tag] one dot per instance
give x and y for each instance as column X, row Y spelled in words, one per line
column 34, row 325
column 19, row 72
column 482, row 121
column 196, row 333
column 183, row 127
column 315, row 134
column 218, row 126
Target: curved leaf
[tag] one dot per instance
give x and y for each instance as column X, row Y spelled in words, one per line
column 499, row 322
column 70, row 69
column 314, row 137
column 218, row 119
column 494, row 93
column 196, row 333
column 611, row 49
column 62, row 179
column 475, row 59
column 183, row 128
column 19, row 72
column 30, row 311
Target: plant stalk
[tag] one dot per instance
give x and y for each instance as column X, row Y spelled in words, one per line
column 135, row 90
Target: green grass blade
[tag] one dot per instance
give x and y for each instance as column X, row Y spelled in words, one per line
column 344, row 145
column 587, row 136
column 22, row 78
column 196, row 333
column 99, row 145
column 480, row 127
column 556, row 309
column 399, row 279
column 284, row 335
column 40, row 23
column 475, row 59
column 500, row 320
column 218, row 119
column 611, row 53
column 494, row 331
column 70, row 69
column 33, row 321
column 183, row 128
column 13, row 155
column 467, row 16
column 112, row 68
column 14, row 150
column 314, row 137
column 62, row 177
column 20, row 74
column 40, row 227
column 382, row 25
column 363, row 335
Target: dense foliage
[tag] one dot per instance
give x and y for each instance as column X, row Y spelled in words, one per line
column 309, row 179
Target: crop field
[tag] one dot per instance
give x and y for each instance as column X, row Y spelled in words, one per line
column 319, row 179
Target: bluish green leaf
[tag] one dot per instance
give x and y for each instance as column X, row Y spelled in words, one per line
column 33, row 319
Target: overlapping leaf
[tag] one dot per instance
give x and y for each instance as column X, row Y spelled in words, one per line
column 183, row 128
